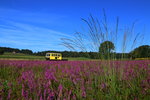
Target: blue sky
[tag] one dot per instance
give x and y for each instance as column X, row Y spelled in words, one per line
column 39, row 24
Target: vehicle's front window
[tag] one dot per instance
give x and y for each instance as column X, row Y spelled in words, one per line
column 47, row 54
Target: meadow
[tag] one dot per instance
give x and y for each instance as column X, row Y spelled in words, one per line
column 74, row 80
column 21, row 56
column 107, row 59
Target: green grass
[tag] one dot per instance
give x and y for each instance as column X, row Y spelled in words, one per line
column 20, row 56
column 76, row 58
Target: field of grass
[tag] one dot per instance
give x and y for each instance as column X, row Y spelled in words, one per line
column 74, row 80
column 20, row 56
column 29, row 77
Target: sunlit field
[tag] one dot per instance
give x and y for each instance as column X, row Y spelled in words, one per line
column 21, row 56
column 74, row 50
column 74, row 80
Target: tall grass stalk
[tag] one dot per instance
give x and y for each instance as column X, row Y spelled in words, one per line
column 98, row 32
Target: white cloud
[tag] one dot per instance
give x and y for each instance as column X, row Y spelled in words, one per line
column 25, row 35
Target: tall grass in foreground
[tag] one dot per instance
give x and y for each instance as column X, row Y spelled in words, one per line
column 96, row 33
column 74, row 80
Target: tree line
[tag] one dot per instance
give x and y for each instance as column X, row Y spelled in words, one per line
column 15, row 50
column 105, row 52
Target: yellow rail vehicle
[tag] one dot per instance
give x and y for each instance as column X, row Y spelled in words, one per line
column 53, row 56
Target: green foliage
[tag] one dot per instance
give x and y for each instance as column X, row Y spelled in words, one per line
column 5, row 88
column 66, row 53
column 7, row 49
column 94, row 55
column 141, row 52
column 15, row 50
column 105, row 52
column 106, row 49
column 1, row 51
column 8, row 55
column 26, row 51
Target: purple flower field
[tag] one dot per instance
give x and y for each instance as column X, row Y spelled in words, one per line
column 74, row 80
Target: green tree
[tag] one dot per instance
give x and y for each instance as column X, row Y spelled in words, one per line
column 106, row 48
column 141, row 52
column 26, row 51
column 1, row 51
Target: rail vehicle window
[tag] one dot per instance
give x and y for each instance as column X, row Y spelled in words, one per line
column 53, row 54
column 47, row 54
column 56, row 55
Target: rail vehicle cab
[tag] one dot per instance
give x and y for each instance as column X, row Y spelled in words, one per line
column 53, row 56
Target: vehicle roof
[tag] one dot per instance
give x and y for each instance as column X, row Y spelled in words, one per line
column 52, row 52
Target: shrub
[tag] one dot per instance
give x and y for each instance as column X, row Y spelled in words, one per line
column 1, row 52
